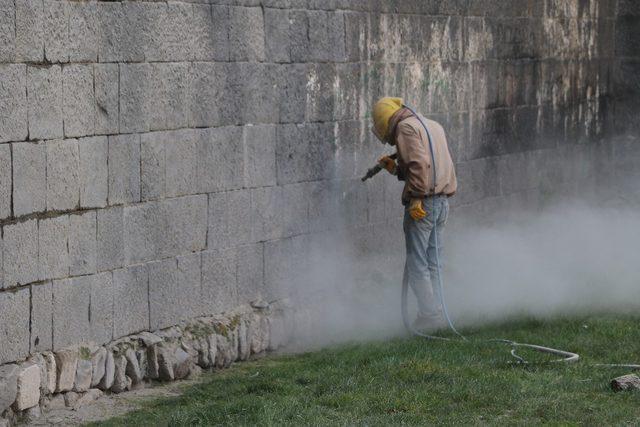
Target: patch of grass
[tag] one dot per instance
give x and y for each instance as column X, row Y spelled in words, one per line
column 413, row 381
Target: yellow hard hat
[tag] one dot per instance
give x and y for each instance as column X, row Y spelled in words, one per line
column 383, row 110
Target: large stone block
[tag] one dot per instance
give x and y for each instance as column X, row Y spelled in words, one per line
column 317, row 36
column 44, row 97
column 294, row 210
column 121, row 27
column 250, row 271
column 143, row 232
column 102, row 306
column 246, row 34
column 184, row 224
column 29, row 36
column 110, row 239
column 137, row 97
column 7, row 32
column 53, row 253
column 168, row 26
column 169, row 96
column 220, row 159
column 247, row 82
column 286, row 263
column 13, row 102
column 130, row 300
column 208, row 84
column 219, row 281
column 106, row 78
column 20, row 253
column 277, row 39
column 153, row 165
column 8, row 385
column 63, row 186
column 259, row 155
column 71, row 312
column 210, row 33
column 267, row 222
column 321, row 92
column 29, row 178
column 14, row 327
column 124, row 169
column 41, row 317
column 165, row 295
column 83, row 38
column 5, row 181
column 82, row 243
column 229, row 222
column 292, row 84
column 181, row 154
column 28, row 394
column 93, row 171
column 190, row 284
column 304, row 152
column 56, row 30
column 79, row 100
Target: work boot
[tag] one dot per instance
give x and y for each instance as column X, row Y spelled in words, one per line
column 430, row 324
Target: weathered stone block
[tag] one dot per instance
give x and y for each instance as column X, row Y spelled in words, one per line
column 110, row 239
column 189, row 282
column 130, row 300
column 109, row 372
column 295, row 210
column 29, row 178
column 56, row 30
column 246, row 34
column 181, row 154
column 29, row 37
column 153, row 165
column 292, row 84
column 165, row 294
column 102, row 306
column 267, row 221
column 169, row 96
column 143, row 232
column 13, row 102
column 66, row 366
column 124, row 169
column 276, row 23
column 84, row 370
column 184, row 224
column 247, row 82
column 63, row 186
column 98, row 365
column 133, row 367
column 137, row 97
column 82, row 41
column 317, row 36
column 106, row 78
column 41, row 315
column 285, row 266
column 7, row 32
column 79, row 100
column 304, row 152
column 20, row 247
column 220, row 159
column 82, row 243
column 8, row 385
column 219, row 281
column 210, row 33
column 53, row 254
column 250, row 269
column 44, row 97
column 229, row 224
column 121, row 27
column 93, row 171
column 71, row 308
column 52, row 373
column 5, row 181
column 28, row 394
column 259, row 155
column 169, row 36
column 14, row 327
column 208, row 84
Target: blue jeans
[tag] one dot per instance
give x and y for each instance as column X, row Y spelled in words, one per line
column 421, row 269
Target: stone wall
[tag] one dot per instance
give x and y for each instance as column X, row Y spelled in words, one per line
column 161, row 161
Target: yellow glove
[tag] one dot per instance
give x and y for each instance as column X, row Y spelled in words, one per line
column 388, row 163
column 415, row 209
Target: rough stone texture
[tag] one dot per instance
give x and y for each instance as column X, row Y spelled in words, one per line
column 20, row 253
column 98, row 365
column 102, row 306
column 29, row 178
column 53, row 247
column 228, row 223
column 93, row 172
column 5, row 181
column 66, row 366
column 13, row 102
column 52, row 372
column 63, row 187
column 14, row 327
column 84, row 371
column 79, row 100
column 124, row 169
column 41, row 317
column 109, row 372
column 121, row 382
column 44, row 97
column 28, row 394
column 133, row 367
column 82, row 243
column 71, row 307
column 130, row 300
column 626, row 382
column 110, row 239
column 106, row 78
column 8, row 385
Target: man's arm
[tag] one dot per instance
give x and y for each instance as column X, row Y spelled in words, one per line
column 416, row 157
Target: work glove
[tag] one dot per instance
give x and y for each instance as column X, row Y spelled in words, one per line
column 389, row 164
column 415, row 209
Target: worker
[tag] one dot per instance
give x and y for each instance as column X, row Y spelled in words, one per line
column 426, row 202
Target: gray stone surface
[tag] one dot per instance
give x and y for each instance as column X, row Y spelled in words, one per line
column 181, row 155
column 66, row 365
column 110, row 238
column 259, row 155
column 98, row 366
column 121, row 382
column 79, row 100
column 41, row 317
column 52, row 372
column 153, row 165
column 44, row 98
column 29, row 178
column 8, row 385
column 106, row 79
column 93, row 172
column 53, row 253
column 133, row 367
column 82, row 39
column 102, row 306
column 13, row 102
column 63, row 186
column 220, row 159
column 210, row 32
column 219, row 282
column 229, row 219
column 266, row 212
column 130, row 300
column 124, row 169
column 84, row 371
column 121, row 32
column 626, row 382
column 20, row 253
column 246, row 34
column 29, row 43
column 39, row 360
column 56, row 30
column 71, row 308
column 166, row 294
column 207, row 94
column 136, row 92
column 28, row 394
column 5, row 181
column 7, row 31
column 82, row 243
column 250, row 270
column 109, row 372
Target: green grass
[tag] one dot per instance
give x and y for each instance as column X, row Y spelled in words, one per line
column 413, row 381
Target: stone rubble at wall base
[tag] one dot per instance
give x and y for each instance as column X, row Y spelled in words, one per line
column 77, row 376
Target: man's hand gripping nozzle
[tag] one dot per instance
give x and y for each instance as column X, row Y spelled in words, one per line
column 377, row 168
